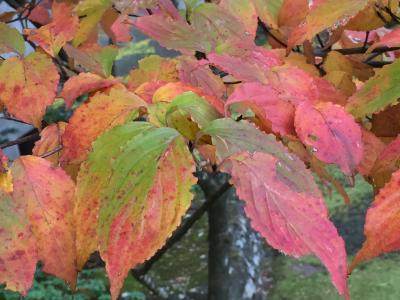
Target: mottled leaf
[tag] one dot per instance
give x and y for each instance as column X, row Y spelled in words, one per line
column 89, row 120
column 293, row 222
column 377, row 93
column 93, row 176
column 331, row 133
column 18, row 253
column 46, row 194
column 138, row 215
column 28, row 86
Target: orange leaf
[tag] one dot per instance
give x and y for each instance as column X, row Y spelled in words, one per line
column 28, row 86
column 101, row 112
column 50, row 139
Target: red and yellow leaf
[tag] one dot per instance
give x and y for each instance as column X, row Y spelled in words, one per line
column 46, row 195
column 138, row 215
column 18, row 253
column 100, row 113
column 28, row 86
column 50, row 140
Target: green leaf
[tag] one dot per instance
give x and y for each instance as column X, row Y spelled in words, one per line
column 93, row 175
column 377, row 93
column 195, row 106
column 144, row 201
column 11, row 40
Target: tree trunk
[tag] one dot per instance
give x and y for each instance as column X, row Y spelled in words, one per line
column 238, row 263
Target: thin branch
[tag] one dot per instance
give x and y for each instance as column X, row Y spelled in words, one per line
column 366, row 40
column 51, row 152
column 320, row 42
column 28, row 138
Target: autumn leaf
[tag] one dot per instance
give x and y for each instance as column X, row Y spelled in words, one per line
column 292, row 222
column 138, row 215
column 198, row 73
column 28, row 86
column 90, row 13
column 382, row 223
column 377, row 93
column 46, row 195
column 50, row 140
column 249, row 64
column 331, row 133
column 271, row 180
column 230, row 137
column 93, row 176
column 278, row 112
column 11, row 40
column 169, row 91
column 373, row 147
column 323, row 15
column 92, row 118
column 18, row 253
column 387, row 163
column 81, row 84
column 53, row 36
column 116, row 26
column 94, row 58
column 153, row 68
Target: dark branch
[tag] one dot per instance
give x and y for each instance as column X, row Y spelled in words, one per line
column 31, row 137
column 356, row 50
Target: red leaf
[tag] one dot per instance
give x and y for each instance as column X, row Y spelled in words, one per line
column 279, row 112
column 295, row 223
column 198, row 73
column 382, row 224
column 81, row 84
column 332, row 134
column 46, row 194
column 18, row 253
column 116, row 26
column 249, row 64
